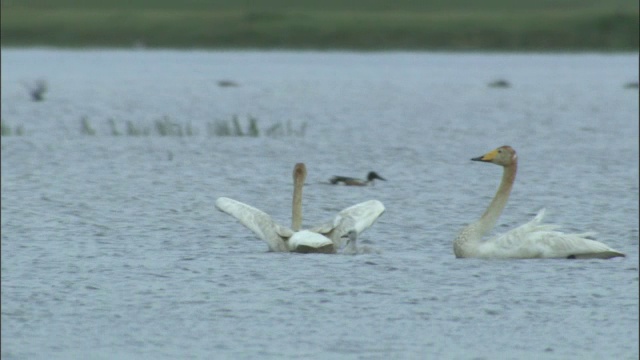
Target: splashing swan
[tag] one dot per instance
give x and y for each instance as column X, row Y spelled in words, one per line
column 530, row 240
column 325, row 238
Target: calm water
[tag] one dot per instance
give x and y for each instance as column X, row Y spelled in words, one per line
column 112, row 246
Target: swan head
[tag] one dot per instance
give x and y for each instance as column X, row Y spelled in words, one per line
column 373, row 175
column 299, row 172
column 503, row 156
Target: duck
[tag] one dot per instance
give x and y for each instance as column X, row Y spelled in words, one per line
column 530, row 240
column 324, row 238
column 501, row 83
column 344, row 180
column 631, row 85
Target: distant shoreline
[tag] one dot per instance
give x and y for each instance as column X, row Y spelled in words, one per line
column 567, row 30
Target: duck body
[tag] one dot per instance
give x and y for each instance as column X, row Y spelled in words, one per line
column 530, row 240
column 350, row 181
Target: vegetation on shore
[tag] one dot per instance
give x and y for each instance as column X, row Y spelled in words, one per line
column 167, row 126
column 313, row 24
column 7, row 130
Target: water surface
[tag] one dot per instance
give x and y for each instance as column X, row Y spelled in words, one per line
column 112, row 246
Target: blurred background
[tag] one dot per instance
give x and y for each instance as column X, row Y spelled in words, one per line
column 543, row 25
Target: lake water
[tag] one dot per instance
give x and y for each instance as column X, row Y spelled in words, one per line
column 112, row 247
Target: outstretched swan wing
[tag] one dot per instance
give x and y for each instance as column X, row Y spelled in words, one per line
column 257, row 221
column 363, row 214
column 358, row 217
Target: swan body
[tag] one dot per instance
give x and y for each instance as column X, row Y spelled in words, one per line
column 325, row 238
column 307, row 241
column 530, row 240
column 344, row 180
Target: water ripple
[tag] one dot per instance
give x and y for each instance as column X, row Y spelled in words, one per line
column 113, row 242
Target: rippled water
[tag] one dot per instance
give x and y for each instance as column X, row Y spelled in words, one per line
column 112, row 246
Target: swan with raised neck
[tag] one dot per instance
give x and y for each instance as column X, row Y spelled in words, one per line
column 530, row 240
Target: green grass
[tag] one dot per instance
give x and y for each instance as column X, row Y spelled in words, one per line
column 315, row 24
column 7, row 130
column 166, row 126
column 233, row 127
column 85, row 127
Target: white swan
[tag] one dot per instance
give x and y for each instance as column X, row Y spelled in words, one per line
column 530, row 240
column 325, row 238
column 345, row 180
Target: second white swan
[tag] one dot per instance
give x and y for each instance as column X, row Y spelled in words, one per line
column 325, row 238
column 530, row 240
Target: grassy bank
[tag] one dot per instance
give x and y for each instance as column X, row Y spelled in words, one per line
column 316, row 24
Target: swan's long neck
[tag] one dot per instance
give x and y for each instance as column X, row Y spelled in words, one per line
column 491, row 215
column 465, row 244
column 296, row 208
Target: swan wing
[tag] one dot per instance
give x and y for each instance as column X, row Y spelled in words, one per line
column 257, row 221
column 358, row 217
column 363, row 214
column 536, row 240
column 514, row 238
column 556, row 244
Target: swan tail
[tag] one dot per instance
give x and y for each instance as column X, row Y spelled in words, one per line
column 598, row 255
column 557, row 244
column 554, row 244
